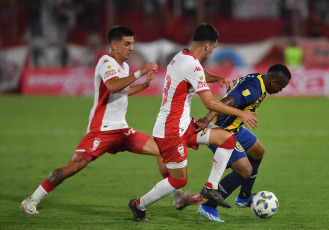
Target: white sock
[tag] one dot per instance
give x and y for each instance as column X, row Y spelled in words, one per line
column 221, row 158
column 38, row 194
column 160, row 190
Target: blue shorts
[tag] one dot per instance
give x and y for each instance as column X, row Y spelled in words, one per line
column 244, row 140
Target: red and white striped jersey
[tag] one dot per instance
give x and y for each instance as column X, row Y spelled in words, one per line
column 109, row 110
column 184, row 76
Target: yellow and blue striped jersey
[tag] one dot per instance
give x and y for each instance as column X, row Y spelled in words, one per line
column 248, row 93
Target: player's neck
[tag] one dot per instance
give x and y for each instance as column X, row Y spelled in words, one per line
column 197, row 52
column 119, row 60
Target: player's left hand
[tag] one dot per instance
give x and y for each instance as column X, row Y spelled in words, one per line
column 225, row 81
column 202, row 124
column 149, row 79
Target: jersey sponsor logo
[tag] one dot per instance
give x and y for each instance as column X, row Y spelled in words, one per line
column 238, row 147
column 105, row 61
column 109, row 67
column 246, row 92
column 197, row 69
column 130, row 131
column 96, row 143
column 110, row 73
column 180, row 149
column 202, row 84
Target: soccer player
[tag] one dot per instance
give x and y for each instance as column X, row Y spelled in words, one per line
column 108, row 130
column 247, row 94
column 174, row 130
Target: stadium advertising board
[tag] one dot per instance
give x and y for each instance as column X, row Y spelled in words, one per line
column 79, row 81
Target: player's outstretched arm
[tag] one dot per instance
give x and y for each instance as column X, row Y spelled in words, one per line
column 117, row 84
column 202, row 123
column 213, row 104
column 137, row 88
column 211, row 78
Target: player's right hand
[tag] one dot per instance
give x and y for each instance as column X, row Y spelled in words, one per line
column 149, row 66
column 248, row 119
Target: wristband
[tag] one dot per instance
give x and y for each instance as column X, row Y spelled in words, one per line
column 137, row 74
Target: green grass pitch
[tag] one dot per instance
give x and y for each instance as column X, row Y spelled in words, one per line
column 39, row 134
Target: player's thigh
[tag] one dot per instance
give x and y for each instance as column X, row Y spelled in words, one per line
column 142, row 143
column 151, row 148
column 256, row 151
column 218, row 136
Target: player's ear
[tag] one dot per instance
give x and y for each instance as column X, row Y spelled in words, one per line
column 114, row 45
column 207, row 46
column 273, row 81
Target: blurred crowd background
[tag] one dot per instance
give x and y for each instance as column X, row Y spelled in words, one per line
column 51, row 23
column 73, row 33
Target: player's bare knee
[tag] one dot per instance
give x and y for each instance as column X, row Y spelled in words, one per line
column 259, row 154
column 245, row 171
column 74, row 165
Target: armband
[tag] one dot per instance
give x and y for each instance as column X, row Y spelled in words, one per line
column 137, row 74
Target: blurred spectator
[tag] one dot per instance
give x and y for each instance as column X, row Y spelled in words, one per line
column 34, row 12
column 318, row 17
column 254, row 9
column 296, row 13
column 293, row 54
column 225, row 8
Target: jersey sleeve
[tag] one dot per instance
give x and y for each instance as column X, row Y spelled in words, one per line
column 196, row 77
column 108, row 70
column 245, row 92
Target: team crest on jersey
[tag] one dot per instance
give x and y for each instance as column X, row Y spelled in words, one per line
column 180, row 149
column 96, row 143
column 246, row 92
column 238, row 147
column 201, row 78
column 109, row 67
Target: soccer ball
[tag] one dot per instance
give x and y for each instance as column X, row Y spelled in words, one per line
column 264, row 204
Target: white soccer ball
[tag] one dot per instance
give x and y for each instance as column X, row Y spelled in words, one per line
column 264, row 204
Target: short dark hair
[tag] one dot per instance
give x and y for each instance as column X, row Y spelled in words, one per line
column 117, row 32
column 205, row 33
column 280, row 68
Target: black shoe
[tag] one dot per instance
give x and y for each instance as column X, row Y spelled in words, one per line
column 215, row 195
column 139, row 215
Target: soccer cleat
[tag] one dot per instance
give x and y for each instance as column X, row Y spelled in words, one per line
column 243, row 203
column 188, row 199
column 139, row 215
column 209, row 213
column 29, row 206
column 215, row 195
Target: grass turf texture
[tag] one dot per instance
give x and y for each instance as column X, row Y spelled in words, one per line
column 41, row 134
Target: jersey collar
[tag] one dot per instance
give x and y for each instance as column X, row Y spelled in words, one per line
column 184, row 51
column 262, row 85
